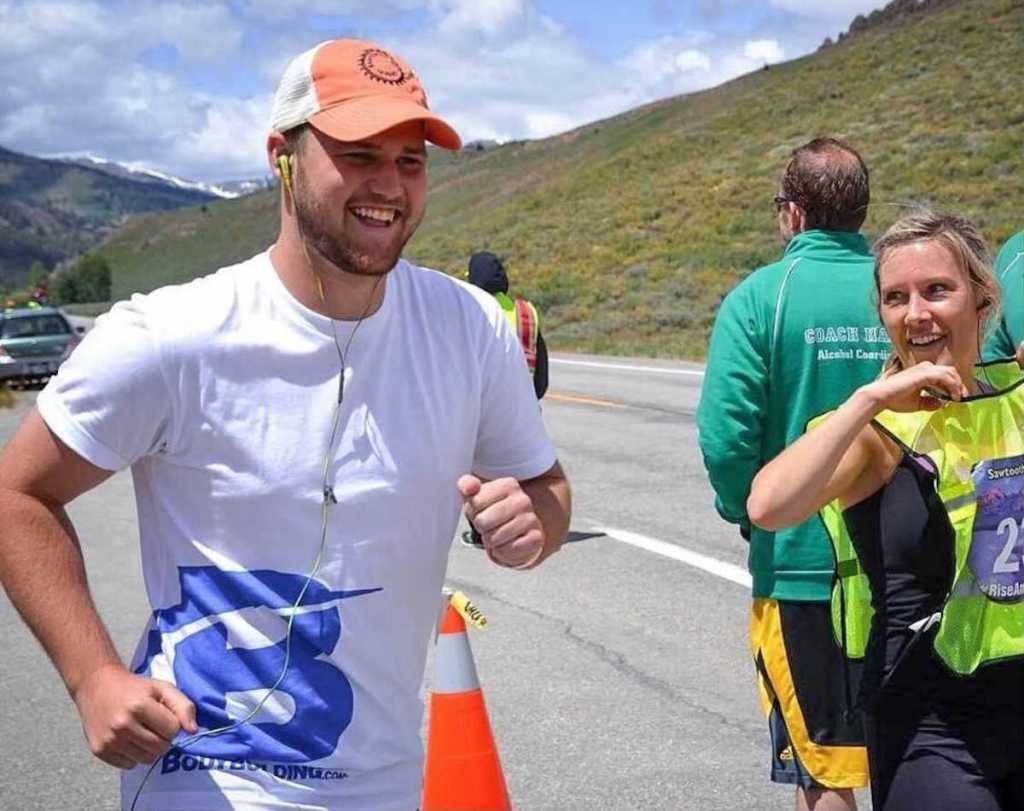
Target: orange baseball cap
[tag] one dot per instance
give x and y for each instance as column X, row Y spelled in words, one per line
column 352, row 89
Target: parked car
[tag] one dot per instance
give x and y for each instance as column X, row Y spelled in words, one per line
column 34, row 341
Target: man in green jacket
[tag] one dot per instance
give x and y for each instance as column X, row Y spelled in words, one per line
column 793, row 340
column 1009, row 331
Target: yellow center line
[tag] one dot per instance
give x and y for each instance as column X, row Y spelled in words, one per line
column 572, row 398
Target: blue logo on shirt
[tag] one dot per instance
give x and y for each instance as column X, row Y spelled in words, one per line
column 226, row 641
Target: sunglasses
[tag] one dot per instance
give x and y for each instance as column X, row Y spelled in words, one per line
column 780, row 201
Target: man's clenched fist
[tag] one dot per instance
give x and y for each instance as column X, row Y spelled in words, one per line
column 129, row 719
column 504, row 516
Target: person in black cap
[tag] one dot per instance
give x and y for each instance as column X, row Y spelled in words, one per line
column 487, row 272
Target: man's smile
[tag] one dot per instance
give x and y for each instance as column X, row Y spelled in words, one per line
column 375, row 216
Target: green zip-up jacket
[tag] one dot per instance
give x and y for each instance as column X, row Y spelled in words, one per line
column 790, row 342
column 1009, row 331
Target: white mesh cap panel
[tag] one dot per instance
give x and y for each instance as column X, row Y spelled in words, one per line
column 295, row 100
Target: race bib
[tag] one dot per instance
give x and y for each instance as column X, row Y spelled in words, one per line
column 998, row 536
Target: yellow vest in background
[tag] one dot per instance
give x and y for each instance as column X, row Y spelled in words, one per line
column 525, row 322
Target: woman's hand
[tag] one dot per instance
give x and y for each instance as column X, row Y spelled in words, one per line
column 922, row 387
column 844, row 456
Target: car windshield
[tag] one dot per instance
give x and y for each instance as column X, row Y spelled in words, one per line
column 28, row 326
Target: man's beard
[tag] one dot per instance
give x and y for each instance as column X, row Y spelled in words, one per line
column 315, row 228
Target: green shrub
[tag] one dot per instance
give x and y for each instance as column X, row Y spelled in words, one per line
column 89, row 280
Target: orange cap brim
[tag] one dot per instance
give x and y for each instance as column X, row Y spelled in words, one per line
column 360, row 118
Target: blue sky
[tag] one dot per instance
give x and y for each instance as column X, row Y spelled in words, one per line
column 186, row 87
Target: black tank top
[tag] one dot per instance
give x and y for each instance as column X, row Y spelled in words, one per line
column 906, row 544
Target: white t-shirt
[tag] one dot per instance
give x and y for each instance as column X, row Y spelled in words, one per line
column 220, row 395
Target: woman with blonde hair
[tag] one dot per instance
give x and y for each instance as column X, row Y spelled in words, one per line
column 919, row 477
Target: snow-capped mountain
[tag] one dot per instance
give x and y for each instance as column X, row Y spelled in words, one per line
column 53, row 210
column 240, row 188
column 228, row 189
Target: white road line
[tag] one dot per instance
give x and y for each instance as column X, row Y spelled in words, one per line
column 719, row 568
column 624, row 367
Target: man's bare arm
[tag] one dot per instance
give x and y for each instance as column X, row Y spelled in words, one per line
column 127, row 719
column 40, row 558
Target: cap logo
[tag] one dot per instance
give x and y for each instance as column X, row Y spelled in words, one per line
column 382, row 67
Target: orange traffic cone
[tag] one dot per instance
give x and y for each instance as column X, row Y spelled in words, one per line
column 463, row 771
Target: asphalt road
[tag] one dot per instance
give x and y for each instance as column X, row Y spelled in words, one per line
column 616, row 675
column 77, row 321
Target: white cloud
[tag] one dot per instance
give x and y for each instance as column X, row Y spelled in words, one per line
column 199, row 33
column 692, row 60
column 487, row 17
column 82, row 86
column 37, row 27
column 48, row 28
column 542, row 123
column 293, row 9
column 666, row 66
column 763, row 50
column 229, row 140
column 669, row 66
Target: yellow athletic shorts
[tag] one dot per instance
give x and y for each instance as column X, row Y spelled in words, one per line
column 808, row 688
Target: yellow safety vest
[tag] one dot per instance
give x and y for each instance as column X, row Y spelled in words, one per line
column 976, row 449
column 522, row 317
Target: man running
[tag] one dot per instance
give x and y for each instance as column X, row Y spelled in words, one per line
column 302, row 430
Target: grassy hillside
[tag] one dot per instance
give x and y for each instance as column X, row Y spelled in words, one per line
column 52, row 210
column 627, row 232
column 176, row 246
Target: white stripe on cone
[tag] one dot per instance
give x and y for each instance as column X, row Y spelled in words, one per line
column 454, row 671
